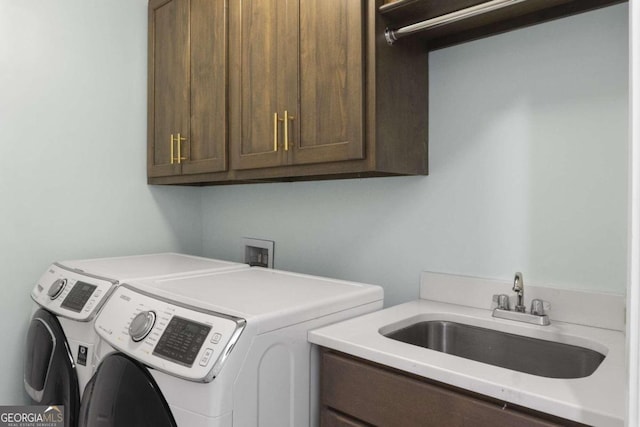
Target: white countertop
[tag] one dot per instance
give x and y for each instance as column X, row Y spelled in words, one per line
column 596, row 400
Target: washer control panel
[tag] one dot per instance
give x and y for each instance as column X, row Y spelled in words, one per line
column 181, row 341
column 71, row 294
column 177, row 339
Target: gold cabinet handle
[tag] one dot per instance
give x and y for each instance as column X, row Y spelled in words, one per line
column 286, row 119
column 172, row 157
column 275, row 131
column 277, row 119
column 179, row 140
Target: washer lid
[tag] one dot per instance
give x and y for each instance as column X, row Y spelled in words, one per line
column 270, row 299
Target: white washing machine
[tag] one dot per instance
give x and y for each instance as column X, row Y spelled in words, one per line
column 61, row 342
column 217, row 350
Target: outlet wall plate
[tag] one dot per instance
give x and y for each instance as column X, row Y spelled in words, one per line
column 257, row 252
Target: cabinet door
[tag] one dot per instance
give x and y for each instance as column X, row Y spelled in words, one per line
column 168, row 98
column 375, row 395
column 329, row 418
column 206, row 150
column 257, row 46
column 330, row 75
column 304, row 58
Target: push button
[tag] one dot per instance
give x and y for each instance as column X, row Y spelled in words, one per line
column 215, row 338
column 206, row 357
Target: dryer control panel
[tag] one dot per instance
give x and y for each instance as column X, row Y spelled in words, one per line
column 71, row 294
column 177, row 339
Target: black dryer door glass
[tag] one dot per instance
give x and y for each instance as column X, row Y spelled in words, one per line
column 49, row 374
column 123, row 393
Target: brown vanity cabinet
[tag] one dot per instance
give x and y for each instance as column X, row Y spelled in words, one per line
column 187, row 87
column 355, row 392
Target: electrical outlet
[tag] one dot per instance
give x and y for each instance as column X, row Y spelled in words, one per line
column 258, row 253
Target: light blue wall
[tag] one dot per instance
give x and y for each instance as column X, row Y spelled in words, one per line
column 72, row 152
column 528, row 137
column 528, row 172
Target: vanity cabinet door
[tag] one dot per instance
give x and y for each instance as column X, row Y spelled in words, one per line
column 381, row 396
column 329, row 418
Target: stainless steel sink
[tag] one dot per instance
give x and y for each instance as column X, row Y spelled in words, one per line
column 519, row 353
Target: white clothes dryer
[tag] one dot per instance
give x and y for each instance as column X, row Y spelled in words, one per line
column 217, row 350
column 61, row 341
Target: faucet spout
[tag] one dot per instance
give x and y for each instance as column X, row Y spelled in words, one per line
column 518, row 288
column 519, row 313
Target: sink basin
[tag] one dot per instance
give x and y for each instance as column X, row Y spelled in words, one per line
column 519, row 353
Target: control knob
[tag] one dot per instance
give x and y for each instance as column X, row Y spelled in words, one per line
column 56, row 288
column 141, row 325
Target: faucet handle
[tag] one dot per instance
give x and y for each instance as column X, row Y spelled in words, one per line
column 538, row 307
column 502, row 301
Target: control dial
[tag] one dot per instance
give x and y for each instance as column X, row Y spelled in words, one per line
column 141, row 325
column 56, row 288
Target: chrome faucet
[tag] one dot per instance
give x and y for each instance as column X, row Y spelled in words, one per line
column 536, row 316
column 518, row 288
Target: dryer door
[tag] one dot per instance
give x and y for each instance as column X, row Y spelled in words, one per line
column 49, row 373
column 123, row 393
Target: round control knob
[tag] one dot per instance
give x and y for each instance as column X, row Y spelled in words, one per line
column 141, row 325
column 56, row 288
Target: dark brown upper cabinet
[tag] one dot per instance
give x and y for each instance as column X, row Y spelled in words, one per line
column 187, row 88
column 284, row 90
column 314, row 92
